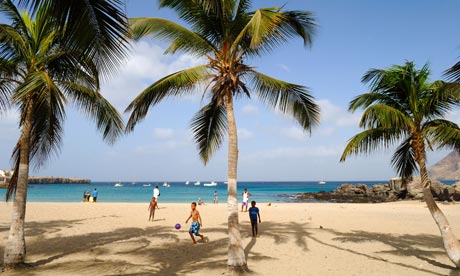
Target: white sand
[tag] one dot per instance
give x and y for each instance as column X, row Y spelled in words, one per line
column 117, row 239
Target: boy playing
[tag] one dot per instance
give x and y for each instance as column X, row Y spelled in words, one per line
column 196, row 223
column 153, row 204
column 253, row 214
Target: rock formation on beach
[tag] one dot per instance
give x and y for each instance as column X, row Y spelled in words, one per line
column 446, row 169
column 47, row 180
column 361, row 193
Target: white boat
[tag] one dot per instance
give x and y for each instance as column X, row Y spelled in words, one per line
column 187, row 182
column 198, row 183
column 322, row 182
column 212, row 184
column 118, row 184
column 147, row 185
column 166, row 184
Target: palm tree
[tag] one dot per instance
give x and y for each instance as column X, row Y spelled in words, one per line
column 38, row 75
column 453, row 73
column 403, row 108
column 227, row 34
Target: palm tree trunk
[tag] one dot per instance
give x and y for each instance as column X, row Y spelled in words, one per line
column 15, row 249
column 236, row 258
column 451, row 244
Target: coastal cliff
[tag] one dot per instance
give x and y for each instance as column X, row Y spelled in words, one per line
column 50, row 180
column 446, row 169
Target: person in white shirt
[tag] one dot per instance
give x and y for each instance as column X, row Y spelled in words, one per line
column 156, row 193
column 246, row 196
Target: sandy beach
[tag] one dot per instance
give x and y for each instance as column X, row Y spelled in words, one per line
column 295, row 239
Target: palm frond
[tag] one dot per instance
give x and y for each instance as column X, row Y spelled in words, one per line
column 94, row 105
column 179, row 83
column 288, row 98
column 403, row 160
column 381, row 115
column 269, row 28
column 181, row 38
column 453, row 73
column 443, row 134
column 370, row 140
column 209, row 126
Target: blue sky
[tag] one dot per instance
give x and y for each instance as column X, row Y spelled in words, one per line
column 353, row 36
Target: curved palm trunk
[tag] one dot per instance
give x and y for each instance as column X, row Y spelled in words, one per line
column 15, row 249
column 451, row 244
column 236, row 258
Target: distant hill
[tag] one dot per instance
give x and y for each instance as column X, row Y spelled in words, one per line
column 446, row 169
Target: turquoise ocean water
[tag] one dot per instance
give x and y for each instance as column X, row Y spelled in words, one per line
column 178, row 192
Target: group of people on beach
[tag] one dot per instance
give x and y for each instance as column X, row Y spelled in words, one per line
column 90, row 196
column 197, row 223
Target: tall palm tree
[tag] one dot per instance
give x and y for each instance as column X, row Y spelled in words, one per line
column 404, row 108
column 227, row 34
column 39, row 75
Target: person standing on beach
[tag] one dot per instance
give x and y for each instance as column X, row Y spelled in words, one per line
column 153, row 204
column 95, row 195
column 196, row 223
column 216, row 199
column 156, row 193
column 253, row 215
column 246, row 196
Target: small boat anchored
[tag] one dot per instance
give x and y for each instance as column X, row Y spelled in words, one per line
column 147, row 185
column 198, row 183
column 212, row 184
column 187, row 182
column 166, row 184
column 118, row 184
column 322, row 182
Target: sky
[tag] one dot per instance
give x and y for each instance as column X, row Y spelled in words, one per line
column 352, row 37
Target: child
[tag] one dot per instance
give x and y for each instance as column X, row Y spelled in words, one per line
column 253, row 214
column 196, row 223
column 153, row 204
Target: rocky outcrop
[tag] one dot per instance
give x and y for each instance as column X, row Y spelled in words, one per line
column 55, row 180
column 361, row 193
column 446, row 169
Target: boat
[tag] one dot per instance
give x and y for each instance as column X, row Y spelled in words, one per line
column 322, row 182
column 212, row 184
column 166, row 184
column 187, row 182
column 118, row 184
column 198, row 183
column 147, row 185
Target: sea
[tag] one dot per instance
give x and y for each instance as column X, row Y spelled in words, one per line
column 179, row 192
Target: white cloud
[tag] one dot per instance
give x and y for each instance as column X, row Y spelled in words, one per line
column 144, row 66
column 285, row 153
column 295, row 133
column 163, row 133
column 245, row 134
column 333, row 114
column 249, row 109
column 284, row 67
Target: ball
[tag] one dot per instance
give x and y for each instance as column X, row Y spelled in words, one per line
column 177, row 226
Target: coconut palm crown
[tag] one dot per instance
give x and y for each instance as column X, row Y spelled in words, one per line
column 403, row 108
column 227, row 34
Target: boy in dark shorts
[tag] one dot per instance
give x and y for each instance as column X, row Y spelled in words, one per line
column 196, row 223
column 253, row 214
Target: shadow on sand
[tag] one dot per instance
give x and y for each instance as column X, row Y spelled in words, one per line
column 158, row 250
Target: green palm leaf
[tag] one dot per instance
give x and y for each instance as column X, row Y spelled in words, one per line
column 176, row 84
column 209, row 127
column 403, row 160
column 381, row 115
column 371, row 140
column 180, row 37
column 288, row 98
